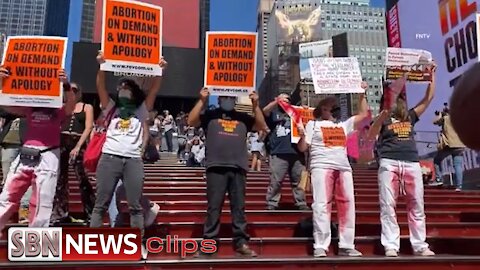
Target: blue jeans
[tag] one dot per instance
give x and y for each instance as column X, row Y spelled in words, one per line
column 457, row 155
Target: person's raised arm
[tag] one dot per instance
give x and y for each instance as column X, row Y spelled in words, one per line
column 70, row 98
column 194, row 115
column 267, row 110
column 156, row 85
column 101, row 86
column 362, row 108
column 377, row 125
column 429, row 94
column 260, row 124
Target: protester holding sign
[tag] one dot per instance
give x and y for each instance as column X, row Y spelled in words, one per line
column 400, row 171
column 38, row 162
column 331, row 174
column 284, row 155
column 226, row 163
column 126, row 138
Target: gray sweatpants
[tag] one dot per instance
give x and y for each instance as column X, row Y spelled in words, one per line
column 279, row 166
column 110, row 170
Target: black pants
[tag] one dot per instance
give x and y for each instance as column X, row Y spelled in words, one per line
column 219, row 181
column 60, row 205
column 169, row 140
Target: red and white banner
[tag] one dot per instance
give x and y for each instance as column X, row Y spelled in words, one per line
column 94, row 244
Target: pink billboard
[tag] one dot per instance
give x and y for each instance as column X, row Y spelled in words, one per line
column 181, row 24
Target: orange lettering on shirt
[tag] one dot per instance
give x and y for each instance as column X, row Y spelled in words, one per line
column 228, row 125
column 401, row 129
column 334, row 137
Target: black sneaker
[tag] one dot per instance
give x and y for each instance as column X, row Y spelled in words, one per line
column 246, row 251
column 271, row 208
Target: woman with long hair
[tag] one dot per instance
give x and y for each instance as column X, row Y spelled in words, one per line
column 325, row 138
column 75, row 134
column 126, row 138
column 400, row 172
column 38, row 162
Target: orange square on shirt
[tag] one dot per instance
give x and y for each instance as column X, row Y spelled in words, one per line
column 334, row 137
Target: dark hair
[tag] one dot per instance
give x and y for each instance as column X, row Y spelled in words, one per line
column 317, row 112
column 138, row 96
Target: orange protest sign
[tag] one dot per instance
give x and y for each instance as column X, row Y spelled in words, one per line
column 307, row 115
column 132, row 37
column 334, row 136
column 230, row 63
column 33, row 63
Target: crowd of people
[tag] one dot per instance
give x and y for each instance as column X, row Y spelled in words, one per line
column 39, row 145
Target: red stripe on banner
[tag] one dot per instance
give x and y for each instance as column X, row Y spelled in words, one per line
column 291, row 111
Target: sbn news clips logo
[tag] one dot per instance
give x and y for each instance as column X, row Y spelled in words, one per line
column 94, row 244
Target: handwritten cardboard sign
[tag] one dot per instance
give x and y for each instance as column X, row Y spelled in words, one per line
column 34, row 63
column 337, row 75
column 132, row 37
column 230, row 63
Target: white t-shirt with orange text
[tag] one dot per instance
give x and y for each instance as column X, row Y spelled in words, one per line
column 328, row 144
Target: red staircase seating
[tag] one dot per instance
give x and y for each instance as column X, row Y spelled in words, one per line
column 453, row 226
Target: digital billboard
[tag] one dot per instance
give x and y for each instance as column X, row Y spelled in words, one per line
column 297, row 20
column 181, row 22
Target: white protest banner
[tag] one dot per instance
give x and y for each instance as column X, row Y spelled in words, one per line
column 230, row 63
column 323, row 48
column 417, row 63
column 337, row 75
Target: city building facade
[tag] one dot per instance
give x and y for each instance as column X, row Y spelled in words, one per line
column 204, row 20
column 292, row 22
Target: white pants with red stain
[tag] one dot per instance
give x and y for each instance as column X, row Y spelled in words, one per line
column 401, row 177
column 327, row 184
column 43, row 179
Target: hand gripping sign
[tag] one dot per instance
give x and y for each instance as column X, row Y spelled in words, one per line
column 132, row 37
column 230, row 63
column 33, row 63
